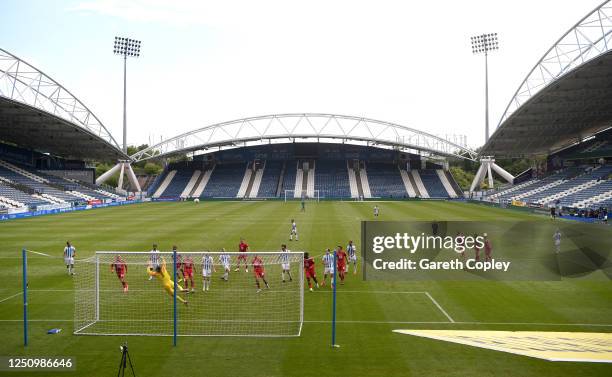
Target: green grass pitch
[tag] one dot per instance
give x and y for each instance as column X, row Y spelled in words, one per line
column 367, row 311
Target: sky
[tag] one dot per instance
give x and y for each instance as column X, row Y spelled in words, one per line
column 203, row 62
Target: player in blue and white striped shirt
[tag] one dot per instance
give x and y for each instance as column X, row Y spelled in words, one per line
column 225, row 261
column 284, row 259
column 352, row 253
column 208, row 267
column 328, row 263
column 154, row 259
column 69, row 254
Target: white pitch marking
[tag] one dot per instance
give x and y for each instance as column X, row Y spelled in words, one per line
column 389, row 322
column 439, row 307
column 39, row 253
column 10, row 297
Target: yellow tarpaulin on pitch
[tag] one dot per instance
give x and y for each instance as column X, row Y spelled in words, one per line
column 553, row 346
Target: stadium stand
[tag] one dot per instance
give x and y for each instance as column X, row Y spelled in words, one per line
column 322, row 171
column 332, row 180
column 270, row 179
column 290, row 176
column 385, row 181
column 14, row 198
column 587, row 186
column 225, row 181
column 433, row 184
column 176, row 186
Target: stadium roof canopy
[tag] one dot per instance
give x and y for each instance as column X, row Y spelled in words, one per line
column 306, row 127
column 38, row 113
column 566, row 97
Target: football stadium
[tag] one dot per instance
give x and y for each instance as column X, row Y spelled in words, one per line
column 312, row 244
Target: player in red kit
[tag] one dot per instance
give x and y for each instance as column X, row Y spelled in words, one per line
column 188, row 268
column 488, row 248
column 309, row 270
column 120, row 268
column 260, row 273
column 243, row 248
column 342, row 258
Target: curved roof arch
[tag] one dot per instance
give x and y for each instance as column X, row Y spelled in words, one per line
column 567, row 95
column 27, row 92
column 588, row 39
column 305, row 127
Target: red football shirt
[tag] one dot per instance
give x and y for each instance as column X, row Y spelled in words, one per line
column 243, row 247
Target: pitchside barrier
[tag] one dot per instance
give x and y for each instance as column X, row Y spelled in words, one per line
column 161, row 305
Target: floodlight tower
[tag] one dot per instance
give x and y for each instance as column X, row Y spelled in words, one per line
column 126, row 47
column 483, row 44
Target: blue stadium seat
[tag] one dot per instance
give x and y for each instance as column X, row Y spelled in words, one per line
column 331, row 179
column 225, row 181
column 385, row 180
column 432, row 183
column 269, row 179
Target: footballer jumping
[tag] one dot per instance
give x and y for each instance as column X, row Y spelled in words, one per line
column 243, row 248
column 162, row 275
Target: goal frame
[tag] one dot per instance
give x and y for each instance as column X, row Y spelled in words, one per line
column 96, row 259
column 290, row 195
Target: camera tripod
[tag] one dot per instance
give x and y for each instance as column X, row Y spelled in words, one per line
column 125, row 358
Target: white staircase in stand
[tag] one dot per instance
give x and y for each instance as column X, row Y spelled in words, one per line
column 165, row 183
column 365, row 184
column 257, row 182
column 299, row 178
column 419, row 183
column 194, row 178
column 538, row 189
column 311, row 182
column 353, row 183
column 571, row 190
column 408, row 184
column 81, row 195
column 245, row 182
column 203, row 182
column 25, row 173
column 593, row 200
column 447, row 185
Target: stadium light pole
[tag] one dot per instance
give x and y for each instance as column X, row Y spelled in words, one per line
column 126, row 47
column 483, row 44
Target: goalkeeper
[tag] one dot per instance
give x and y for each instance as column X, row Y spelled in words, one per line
column 162, row 275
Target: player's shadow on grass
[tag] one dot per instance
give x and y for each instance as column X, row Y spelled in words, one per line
column 579, row 262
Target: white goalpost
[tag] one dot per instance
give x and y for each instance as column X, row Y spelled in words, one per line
column 303, row 194
column 232, row 307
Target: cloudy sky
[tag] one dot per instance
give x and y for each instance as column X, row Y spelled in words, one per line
column 203, row 62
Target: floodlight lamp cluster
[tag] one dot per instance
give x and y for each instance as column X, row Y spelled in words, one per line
column 484, row 43
column 127, row 47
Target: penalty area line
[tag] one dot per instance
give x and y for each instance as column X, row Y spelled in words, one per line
column 39, row 253
column 440, row 307
column 10, row 297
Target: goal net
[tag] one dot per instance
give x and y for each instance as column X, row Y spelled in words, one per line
column 232, row 307
column 303, row 194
